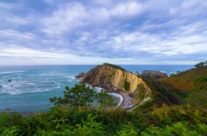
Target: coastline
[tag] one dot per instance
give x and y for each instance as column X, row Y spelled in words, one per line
column 114, row 94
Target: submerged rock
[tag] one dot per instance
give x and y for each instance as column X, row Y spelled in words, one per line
column 9, row 80
column 116, row 79
column 80, row 75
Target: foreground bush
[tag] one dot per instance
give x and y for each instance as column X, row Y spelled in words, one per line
column 80, row 121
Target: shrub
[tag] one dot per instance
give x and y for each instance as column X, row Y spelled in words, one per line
column 201, row 82
column 126, row 86
column 199, row 65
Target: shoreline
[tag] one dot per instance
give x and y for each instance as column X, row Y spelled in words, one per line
column 112, row 93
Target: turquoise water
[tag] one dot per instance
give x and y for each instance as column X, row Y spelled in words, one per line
column 31, row 86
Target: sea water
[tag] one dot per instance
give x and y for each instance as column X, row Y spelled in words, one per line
column 28, row 88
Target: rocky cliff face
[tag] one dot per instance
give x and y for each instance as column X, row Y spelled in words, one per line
column 114, row 78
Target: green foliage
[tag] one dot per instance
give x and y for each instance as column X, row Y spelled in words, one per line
column 201, row 82
column 126, row 85
column 142, row 91
column 113, row 66
column 69, row 121
column 199, row 65
column 176, row 129
column 104, row 99
column 79, row 95
column 128, row 130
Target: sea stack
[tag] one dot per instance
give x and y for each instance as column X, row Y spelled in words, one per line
column 80, row 75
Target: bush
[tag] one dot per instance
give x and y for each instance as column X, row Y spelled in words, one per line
column 126, row 86
column 201, row 82
column 199, row 65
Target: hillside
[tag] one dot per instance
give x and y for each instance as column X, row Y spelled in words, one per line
column 185, row 80
column 186, row 87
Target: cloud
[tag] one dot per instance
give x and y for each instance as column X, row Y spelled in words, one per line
column 12, row 34
column 76, row 15
column 95, row 31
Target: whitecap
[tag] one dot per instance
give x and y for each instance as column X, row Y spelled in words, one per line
column 10, row 72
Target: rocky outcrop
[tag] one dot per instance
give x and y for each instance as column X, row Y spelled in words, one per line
column 10, row 80
column 116, row 79
column 80, row 75
column 153, row 75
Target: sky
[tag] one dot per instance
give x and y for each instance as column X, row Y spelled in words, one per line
column 38, row 32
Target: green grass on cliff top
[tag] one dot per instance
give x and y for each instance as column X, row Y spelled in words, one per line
column 185, row 80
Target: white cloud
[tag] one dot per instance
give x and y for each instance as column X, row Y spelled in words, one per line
column 76, row 15
column 21, row 56
column 13, row 34
column 170, row 44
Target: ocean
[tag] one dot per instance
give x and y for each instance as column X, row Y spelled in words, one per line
column 28, row 88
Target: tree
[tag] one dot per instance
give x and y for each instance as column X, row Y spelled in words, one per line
column 79, row 95
column 199, row 65
column 105, row 99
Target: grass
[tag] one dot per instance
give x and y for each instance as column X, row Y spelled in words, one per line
column 185, row 80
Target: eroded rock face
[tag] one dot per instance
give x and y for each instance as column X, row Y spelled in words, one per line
column 113, row 78
column 80, row 75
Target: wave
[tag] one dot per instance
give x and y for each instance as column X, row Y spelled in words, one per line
column 22, row 87
column 10, row 72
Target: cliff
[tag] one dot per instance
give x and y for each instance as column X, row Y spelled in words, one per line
column 116, row 79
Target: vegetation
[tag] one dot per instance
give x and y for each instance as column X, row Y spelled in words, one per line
column 114, row 66
column 105, row 100
column 82, row 96
column 126, row 85
column 188, row 86
column 201, row 82
column 73, row 121
column 201, row 64
column 185, row 80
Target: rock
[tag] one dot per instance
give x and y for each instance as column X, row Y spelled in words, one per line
column 152, row 75
column 9, row 80
column 80, row 75
column 116, row 79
